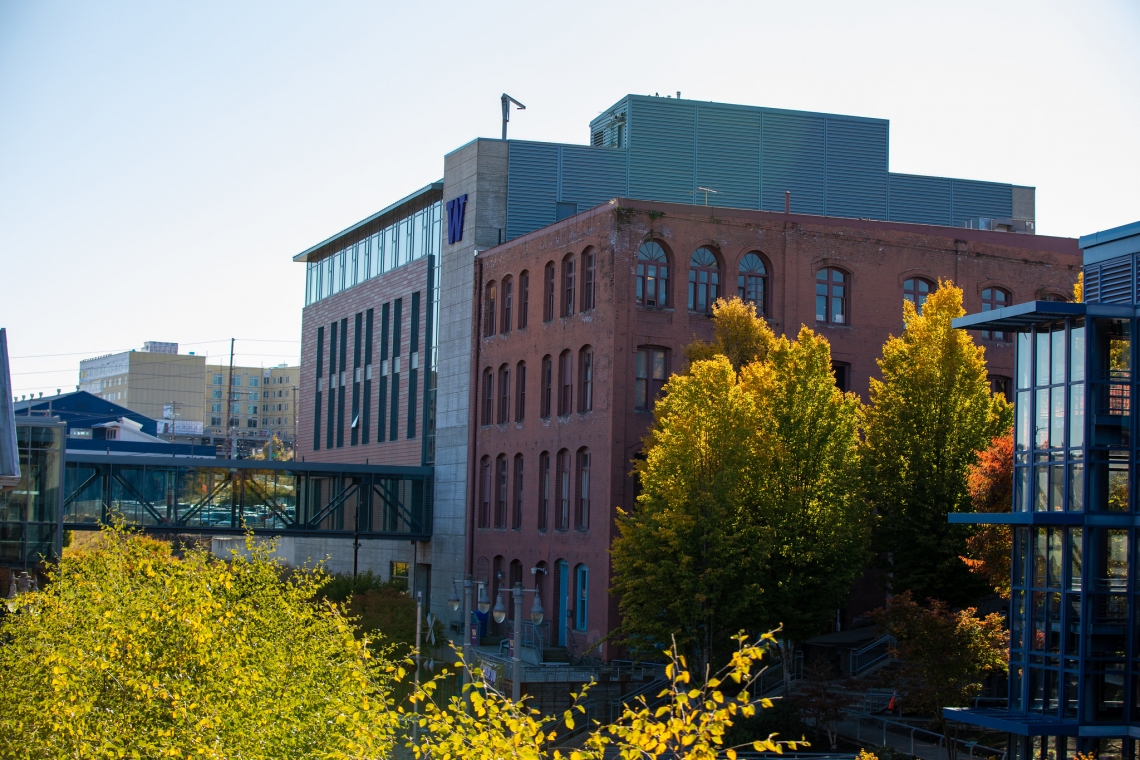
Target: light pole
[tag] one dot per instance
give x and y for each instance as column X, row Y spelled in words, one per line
column 536, row 615
column 465, row 624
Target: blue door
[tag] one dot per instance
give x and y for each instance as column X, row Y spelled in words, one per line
column 563, row 597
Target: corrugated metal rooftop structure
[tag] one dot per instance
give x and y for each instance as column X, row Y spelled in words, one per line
column 667, row 149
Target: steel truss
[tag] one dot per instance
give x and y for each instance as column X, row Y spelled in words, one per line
column 234, row 496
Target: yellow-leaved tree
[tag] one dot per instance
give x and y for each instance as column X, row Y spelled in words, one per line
column 929, row 417
column 131, row 651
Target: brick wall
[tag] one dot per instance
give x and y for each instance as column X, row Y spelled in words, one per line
column 404, row 450
column 876, row 257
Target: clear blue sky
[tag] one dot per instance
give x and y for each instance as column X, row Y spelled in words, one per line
column 160, row 163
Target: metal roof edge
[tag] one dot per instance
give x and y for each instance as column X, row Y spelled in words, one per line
column 743, row 107
column 426, row 189
column 1027, row 313
column 1107, row 236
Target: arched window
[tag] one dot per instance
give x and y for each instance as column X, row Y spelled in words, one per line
column 568, row 285
column 1055, row 297
column 516, row 576
column 501, row 491
column 490, row 303
column 704, row 280
column 652, row 275
column 752, row 282
column 585, row 379
column 524, row 297
column 582, row 513
column 507, row 297
column 517, row 512
column 581, row 597
column 546, row 391
column 544, row 490
column 831, row 296
column 520, row 392
column 488, row 395
column 917, row 290
column 504, row 395
column 485, row 492
column 588, row 279
column 562, row 499
column 548, row 292
column 995, row 298
column 565, row 383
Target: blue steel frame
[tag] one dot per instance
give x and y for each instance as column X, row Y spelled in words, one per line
column 220, row 496
column 1074, row 611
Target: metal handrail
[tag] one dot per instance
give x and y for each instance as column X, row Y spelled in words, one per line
column 875, row 652
column 905, row 728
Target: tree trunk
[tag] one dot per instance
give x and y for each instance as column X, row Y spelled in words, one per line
column 951, row 745
column 788, row 658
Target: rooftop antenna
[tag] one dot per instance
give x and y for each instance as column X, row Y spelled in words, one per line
column 707, row 191
column 507, row 100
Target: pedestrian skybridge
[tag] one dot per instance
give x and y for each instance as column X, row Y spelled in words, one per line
column 220, row 496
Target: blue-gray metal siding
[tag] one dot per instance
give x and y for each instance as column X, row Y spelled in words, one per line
column 532, row 187
column 921, row 200
column 856, row 169
column 793, row 159
column 728, row 157
column 974, row 199
column 662, row 151
column 540, row 175
column 833, row 165
column 591, row 175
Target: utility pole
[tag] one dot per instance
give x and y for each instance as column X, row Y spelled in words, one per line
column 230, row 401
column 173, row 415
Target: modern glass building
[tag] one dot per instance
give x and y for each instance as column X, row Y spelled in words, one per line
column 31, row 528
column 1075, row 611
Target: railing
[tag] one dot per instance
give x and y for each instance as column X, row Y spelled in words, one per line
column 771, row 681
column 870, row 654
column 932, row 739
column 533, row 636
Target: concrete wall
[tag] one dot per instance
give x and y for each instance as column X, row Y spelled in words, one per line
column 479, row 170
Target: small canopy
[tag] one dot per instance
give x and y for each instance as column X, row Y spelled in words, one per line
column 1021, row 317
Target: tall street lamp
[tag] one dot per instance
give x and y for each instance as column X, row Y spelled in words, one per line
column 536, row 616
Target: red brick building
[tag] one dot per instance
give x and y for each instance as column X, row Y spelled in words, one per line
column 578, row 324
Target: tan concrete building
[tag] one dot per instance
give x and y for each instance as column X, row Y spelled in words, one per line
column 159, row 384
column 257, row 405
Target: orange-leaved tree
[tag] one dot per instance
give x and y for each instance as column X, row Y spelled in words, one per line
column 991, row 490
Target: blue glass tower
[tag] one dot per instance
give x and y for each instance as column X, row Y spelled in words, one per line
column 1074, row 671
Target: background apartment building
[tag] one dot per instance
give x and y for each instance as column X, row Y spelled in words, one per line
column 157, row 382
column 251, row 404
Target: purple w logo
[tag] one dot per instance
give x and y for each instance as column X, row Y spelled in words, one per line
column 456, row 210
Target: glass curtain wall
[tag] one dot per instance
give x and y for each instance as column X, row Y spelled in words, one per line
column 1074, row 616
column 29, row 513
column 405, row 240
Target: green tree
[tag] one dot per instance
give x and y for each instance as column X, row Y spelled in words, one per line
column 740, row 335
column 684, row 563
column 750, row 514
column 930, row 415
column 944, row 656
column 807, row 496
column 130, row 651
